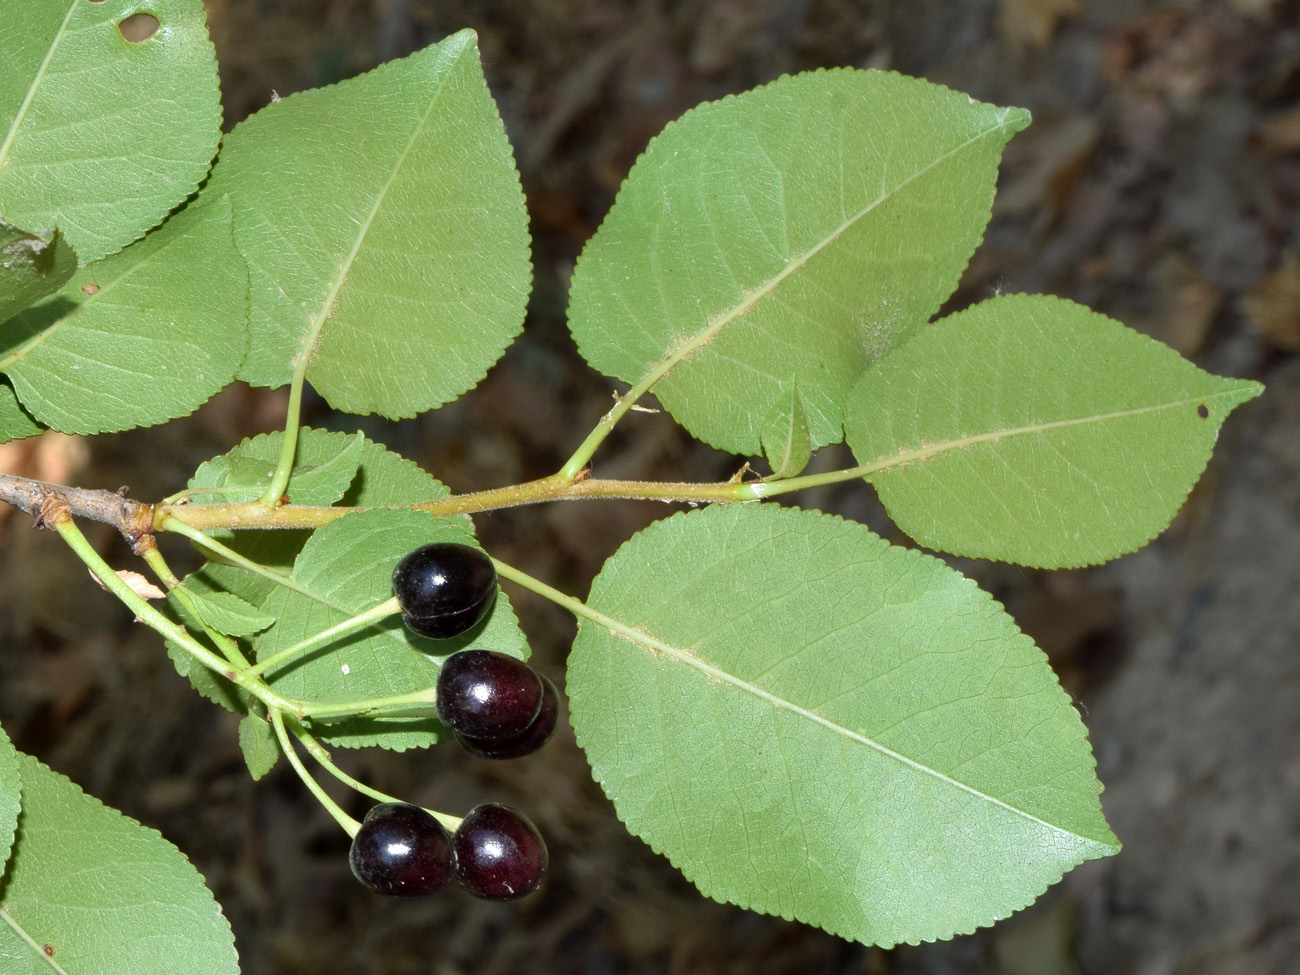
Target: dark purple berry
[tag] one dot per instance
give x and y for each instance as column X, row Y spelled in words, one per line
column 530, row 739
column 444, row 588
column 499, row 853
column 401, row 850
column 484, row 694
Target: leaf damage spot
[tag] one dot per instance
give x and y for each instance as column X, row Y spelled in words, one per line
column 138, row 28
column 1203, row 411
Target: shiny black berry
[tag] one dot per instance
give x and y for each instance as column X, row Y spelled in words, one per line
column 484, row 694
column 401, row 850
column 444, row 588
column 527, row 741
column 499, row 853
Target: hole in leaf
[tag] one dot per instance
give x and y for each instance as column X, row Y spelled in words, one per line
column 138, row 28
column 1203, row 411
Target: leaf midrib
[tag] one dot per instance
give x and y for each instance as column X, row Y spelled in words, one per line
column 706, row 335
column 28, row 940
column 326, row 309
column 34, row 87
column 642, row 638
column 902, row 458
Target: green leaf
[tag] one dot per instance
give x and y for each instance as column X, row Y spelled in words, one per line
column 785, row 436
column 798, row 231
column 349, row 563
column 31, row 267
column 1033, row 430
column 327, row 464
column 223, row 611
column 137, row 338
column 258, row 743
column 384, row 225
column 813, row 723
column 11, row 787
column 15, row 422
column 99, row 136
column 110, row 896
column 383, row 478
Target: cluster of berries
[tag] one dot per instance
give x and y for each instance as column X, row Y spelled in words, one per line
column 497, row 707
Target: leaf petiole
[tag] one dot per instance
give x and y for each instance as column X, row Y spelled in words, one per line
column 228, row 647
column 373, row 615
column 318, row 752
column 172, row 523
column 350, row 825
column 156, row 621
column 416, row 704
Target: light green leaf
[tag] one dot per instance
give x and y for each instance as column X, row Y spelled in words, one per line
column 258, row 743
column 349, row 563
column 813, row 723
column 384, row 225
column 11, row 787
column 327, row 464
column 798, row 231
column 383, row 478
column 99, row 136
column 137, row 338
column 31, row 267
column 223, row 611
column 110, row 896
column 15, row 422
column 1033, row 430
column 785, row 436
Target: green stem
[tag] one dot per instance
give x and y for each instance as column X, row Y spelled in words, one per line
column 192, row 520
column 384, row 610
column 349, row 824
column 416, row 704
column 156, row 621
column 318, row 752
column 758, row 490
column 574, row 605
column 289, row 446
column 575, row 464
column 171, row 521
column 228, row 647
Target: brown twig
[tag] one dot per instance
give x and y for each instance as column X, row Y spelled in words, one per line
column 133, row 519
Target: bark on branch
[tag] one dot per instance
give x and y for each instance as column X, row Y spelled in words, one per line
column 133, row 519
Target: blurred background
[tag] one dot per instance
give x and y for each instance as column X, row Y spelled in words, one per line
column 1159, row 184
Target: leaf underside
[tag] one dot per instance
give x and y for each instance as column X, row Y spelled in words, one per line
column 77, row 103
column 143, row 336
column 813, row 723
column 108, row 895
column 794, row 233
column 1034, row 430
column 385, row 231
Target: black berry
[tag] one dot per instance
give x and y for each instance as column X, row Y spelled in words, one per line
column 527, row 741
column 444, row 588
column 484, row 694
column 401, row 850
column 499, row 853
